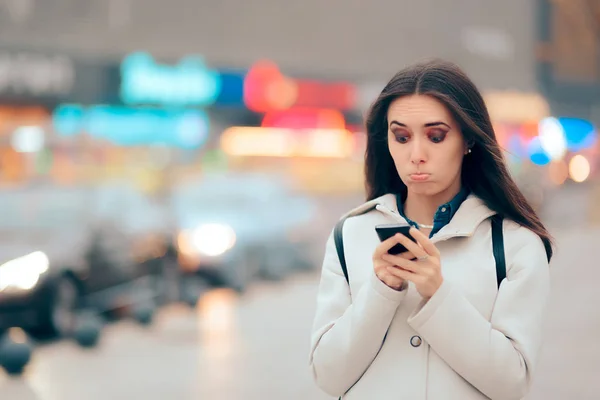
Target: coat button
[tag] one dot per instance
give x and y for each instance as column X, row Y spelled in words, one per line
column 415, row 341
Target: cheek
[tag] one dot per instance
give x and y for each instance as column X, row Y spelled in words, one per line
column 399, row 154
column 449, row 161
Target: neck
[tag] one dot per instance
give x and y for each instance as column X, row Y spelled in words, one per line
column 422, row 208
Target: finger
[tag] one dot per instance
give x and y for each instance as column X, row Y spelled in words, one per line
column 403, row 263
column 402, row 274
column 382, row 265
column 425, row 243
column 412, row 247
column 407, row 255
column 387, row 244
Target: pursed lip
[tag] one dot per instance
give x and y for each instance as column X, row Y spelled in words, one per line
column 419, row 176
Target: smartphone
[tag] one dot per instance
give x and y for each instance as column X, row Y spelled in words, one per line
column 387, row 231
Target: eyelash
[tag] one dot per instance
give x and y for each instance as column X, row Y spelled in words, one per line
column 440, row 136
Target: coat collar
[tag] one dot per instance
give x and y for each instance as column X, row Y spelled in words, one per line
column 471, row 213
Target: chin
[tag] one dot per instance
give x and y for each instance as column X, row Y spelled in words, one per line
column 424, row 189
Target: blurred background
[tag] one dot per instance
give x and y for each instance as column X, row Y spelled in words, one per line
column 170, row 171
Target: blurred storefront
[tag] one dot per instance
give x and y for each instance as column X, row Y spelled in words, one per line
column 305, row 131
column 568, row 74
column 32, row 84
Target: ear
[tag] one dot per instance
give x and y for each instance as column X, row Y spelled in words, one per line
column 468, row 146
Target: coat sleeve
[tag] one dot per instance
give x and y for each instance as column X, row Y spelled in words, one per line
column 499, row 356
column 348, row 331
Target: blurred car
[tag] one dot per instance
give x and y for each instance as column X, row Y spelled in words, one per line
column 63, row 249
column 235, row 228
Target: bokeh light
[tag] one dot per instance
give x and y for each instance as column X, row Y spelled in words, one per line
column 579, row 168
column 558, row 171
column 537, row 155
column 580, row 134
column 552, row 138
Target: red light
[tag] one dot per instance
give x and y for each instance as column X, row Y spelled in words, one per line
column 341, row 95
column 529, row 130
column 267, row 89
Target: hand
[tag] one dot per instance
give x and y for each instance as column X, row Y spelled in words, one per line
column 425, row 271
column 383, row 268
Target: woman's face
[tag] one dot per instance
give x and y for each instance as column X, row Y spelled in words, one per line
column 426, row 144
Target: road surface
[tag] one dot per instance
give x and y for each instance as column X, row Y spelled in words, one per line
column 256, row 346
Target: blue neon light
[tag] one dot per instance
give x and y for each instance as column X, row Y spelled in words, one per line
column 126, row 126
column 580, row 134
column 188, row 83
column 232, row 89
column 68, row 119
column 537, row 155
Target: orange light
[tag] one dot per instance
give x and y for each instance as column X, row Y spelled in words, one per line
column 244, row 141
column 13, row 117
column 13, row 166
column 529, row 130
column 328, row 143
column 277, row 142
column 558, row 171
column 579, row 168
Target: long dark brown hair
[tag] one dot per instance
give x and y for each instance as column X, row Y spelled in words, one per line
column 484, row 171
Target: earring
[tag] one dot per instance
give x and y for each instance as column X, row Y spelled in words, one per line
column 469, row 151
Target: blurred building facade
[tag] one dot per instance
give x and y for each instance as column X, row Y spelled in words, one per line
column 493, row 41
column 62, row 61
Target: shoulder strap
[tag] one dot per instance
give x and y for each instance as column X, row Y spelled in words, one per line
column 339, row 245
column 498, row 247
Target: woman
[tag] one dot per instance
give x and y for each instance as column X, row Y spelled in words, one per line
column 432, row 323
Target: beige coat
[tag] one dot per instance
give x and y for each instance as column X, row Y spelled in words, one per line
column 469, row 341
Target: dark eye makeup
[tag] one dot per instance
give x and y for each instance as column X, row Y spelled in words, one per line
column 434, row 135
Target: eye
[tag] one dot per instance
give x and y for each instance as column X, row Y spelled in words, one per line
column 401, row 136
column 437, row 136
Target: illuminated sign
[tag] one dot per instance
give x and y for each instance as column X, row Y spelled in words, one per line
column 305, row 118
column 189, row 82
column 275, row 142
column 232, row 89
column 127, row 126
column 267, row 89
column 340, row 95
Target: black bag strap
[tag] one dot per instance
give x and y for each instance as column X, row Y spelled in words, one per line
column 497, row 247
column 339, row 245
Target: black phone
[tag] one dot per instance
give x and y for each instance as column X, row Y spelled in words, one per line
column 387, row 231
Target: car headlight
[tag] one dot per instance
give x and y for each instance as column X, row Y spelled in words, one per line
column 23, row 273
column 208, row 239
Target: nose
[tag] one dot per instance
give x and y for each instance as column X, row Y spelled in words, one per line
column 418, row 152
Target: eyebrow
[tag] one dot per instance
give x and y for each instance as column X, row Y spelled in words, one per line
column 427, row 125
